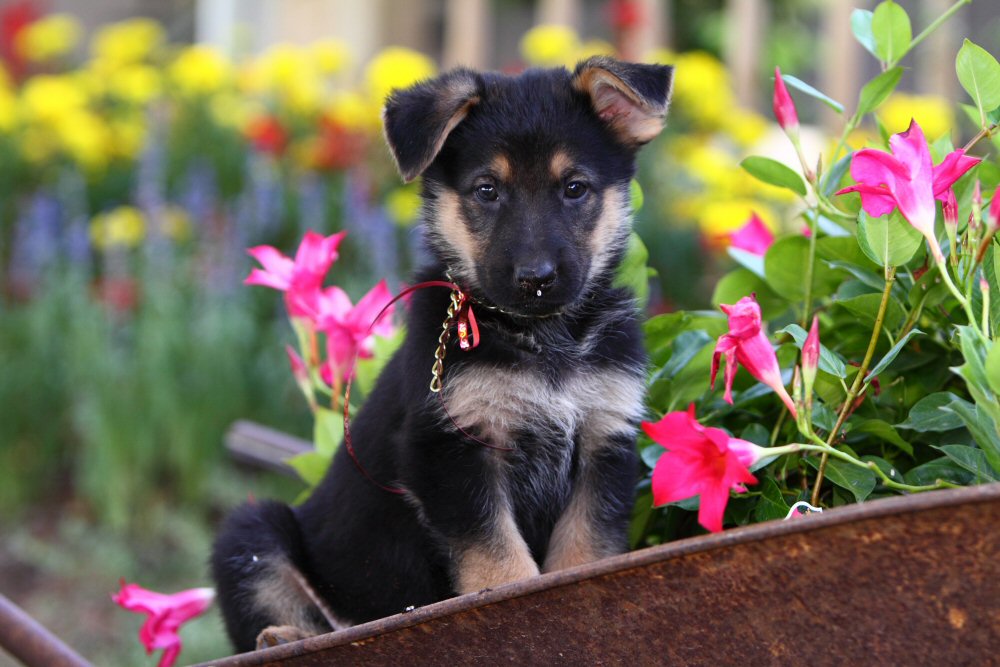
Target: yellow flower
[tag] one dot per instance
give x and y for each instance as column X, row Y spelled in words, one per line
column 702, row 90
column 124, row 226
column 746, row 128
column 128, row 41
column 403, row 205
column 137, row 84
column 351, row 111
column 199, row 70
column 85, row 137
column 48, row 98
column 8, row 111
column 933, row 114
column 233, row 111
column 289, row 73
column 395, row 67
column 550, row 45
column 127, row 136
column 48, row 38
column 718, row 219
column 331, row 56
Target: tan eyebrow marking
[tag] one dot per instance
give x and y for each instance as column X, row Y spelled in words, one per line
column 560, row 164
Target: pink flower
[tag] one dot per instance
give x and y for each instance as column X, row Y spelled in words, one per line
column 350, row 329
column 700, row 461
column 993, row 217
column 907, row 180
column 810, row 358
column 166, row 614
column 753, row 236
column 747, row 344
column 299, row 277
column 784, row 108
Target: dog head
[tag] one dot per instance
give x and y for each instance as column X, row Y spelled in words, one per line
column 526, row 178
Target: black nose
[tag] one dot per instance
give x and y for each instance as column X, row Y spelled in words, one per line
column 535, row 277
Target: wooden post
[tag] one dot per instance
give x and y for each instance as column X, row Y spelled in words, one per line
column 562, row 12
column 839, row 70
column 467, row 39
column 746, row 27
column 638, row 41
column 935, row 58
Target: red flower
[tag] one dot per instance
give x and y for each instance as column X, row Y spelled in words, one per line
column 699, row 461
column 906, row 179
column 753, row 237
column 747, row 344
column 267, row 135
column 336, row 147
column 166, row 614
column 784, row 108
column 300, row 278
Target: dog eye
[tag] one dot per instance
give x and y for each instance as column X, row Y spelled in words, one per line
column 487, row 192
column 574, row 190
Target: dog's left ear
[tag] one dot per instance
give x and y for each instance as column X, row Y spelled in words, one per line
column 631, row 98
column 417, row 120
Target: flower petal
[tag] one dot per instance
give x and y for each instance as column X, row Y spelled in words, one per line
column 952, row 167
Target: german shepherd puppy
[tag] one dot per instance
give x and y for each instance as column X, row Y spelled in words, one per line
column 526, row 207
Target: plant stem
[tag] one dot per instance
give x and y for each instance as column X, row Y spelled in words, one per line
column 810, row 264
column 984, row 132
column 964, row 302
column 845, row 410
column 929, row 29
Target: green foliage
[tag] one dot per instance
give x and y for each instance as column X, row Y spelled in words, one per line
column 909, row 365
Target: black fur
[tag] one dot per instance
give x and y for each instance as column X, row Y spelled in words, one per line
column 557, row 376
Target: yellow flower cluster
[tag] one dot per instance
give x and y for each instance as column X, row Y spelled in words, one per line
column 558, row 45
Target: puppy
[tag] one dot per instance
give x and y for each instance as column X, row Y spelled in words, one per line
column 525, row 462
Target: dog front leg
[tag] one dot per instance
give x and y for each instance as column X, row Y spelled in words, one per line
column 498, row 556
column 594, row 524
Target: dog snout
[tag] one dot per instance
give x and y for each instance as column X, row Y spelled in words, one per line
column 535, row 276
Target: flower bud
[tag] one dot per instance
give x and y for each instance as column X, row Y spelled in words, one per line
column 784, row 108
column 810, row 360
column 950, row 210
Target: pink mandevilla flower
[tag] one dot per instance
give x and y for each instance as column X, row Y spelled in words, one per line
column 166, row 614
column 301, row 277
column 747, row 344
column 905, row 178
column 993, row 216
column 753, row 237
column 784, row 108
column 810, row 358
column 350, row 329
column 700, row 461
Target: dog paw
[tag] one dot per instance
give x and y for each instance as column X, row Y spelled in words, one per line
column 276, row 635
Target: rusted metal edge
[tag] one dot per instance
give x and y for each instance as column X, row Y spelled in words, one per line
column 30, row 642
column 989, row 493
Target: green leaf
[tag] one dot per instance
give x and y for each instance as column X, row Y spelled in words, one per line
column 891, row 354
column 686, row 346
column 892, row 31
column 748, row 260
column 883, row 431
column 771, row 504
column 831, row 181
column 785, row 265
column 982, row 428
column 829, row 361
column 888, row 240
column 774, row 173
column 368, row 370
column 972, row 459
column 740, row 283
column 857, row 480
column 798, row 84
column 328, row 431
column 979, row 74
column 651, row 454
column 876, row 91
column 942, row 468
column 865, row 306
column 635, row 195
column 992, row 367
column 861, row 26
column 311, row 466
column 928, row 414
column 633, row 273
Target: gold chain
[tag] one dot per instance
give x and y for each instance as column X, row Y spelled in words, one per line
column 438, row 369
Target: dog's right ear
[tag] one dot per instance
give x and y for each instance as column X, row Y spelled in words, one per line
column 417, row 120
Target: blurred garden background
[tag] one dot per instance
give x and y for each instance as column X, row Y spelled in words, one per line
column 145, row 144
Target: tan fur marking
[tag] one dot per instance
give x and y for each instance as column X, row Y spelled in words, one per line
column 281, row 596
column 637, row 121
column 610, row 226
column 572, row 542
column 501, row 168
column 559, row 165
column 505, row 558
column 447, row 217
